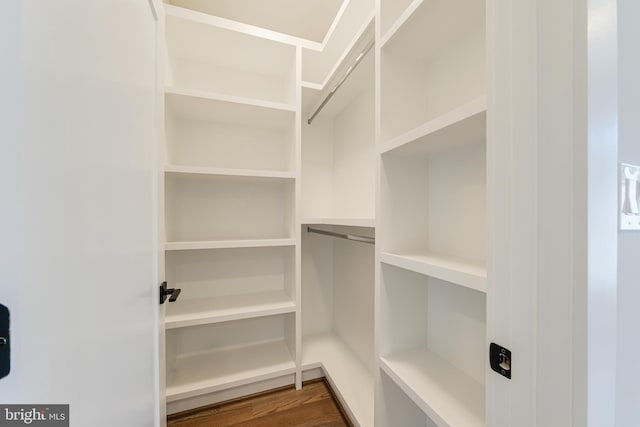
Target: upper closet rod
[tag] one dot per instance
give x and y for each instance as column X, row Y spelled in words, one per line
column 355, row 238
column 342, row 80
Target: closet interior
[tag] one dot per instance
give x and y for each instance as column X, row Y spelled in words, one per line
column 432, row 225
column 324, row 207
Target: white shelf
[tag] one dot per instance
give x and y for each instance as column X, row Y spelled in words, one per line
column 454, row 128
column 445, row 394
column 213, row 96
column 214, row 371
column 248, row 173
column 197, row 16
column 350, row 379
column 352, row 222
column 311, row 85
column 201, row 311
column 444, row 268
column 227, row 244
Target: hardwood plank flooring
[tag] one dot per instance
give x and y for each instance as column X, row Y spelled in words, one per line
column 314, row 405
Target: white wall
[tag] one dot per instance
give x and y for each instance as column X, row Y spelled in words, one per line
column 628, row 345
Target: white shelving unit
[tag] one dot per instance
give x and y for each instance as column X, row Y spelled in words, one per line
column 432, row 278
column 399, row 154
column 230, row 179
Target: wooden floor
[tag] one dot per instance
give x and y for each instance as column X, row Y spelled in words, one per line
column 314, row 405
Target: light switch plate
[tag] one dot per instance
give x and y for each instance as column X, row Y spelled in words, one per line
column 629, row 197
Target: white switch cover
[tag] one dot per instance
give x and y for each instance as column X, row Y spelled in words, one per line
column 629, row 197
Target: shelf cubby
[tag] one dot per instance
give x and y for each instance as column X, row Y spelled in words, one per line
column 432, row 61
column 338, row 314
column 220, row 285
column 435, row 199
column 210, row 208
column 338, row 149
column 215, row 357
column 215, row 132
column 209, row 58
column 432, row 345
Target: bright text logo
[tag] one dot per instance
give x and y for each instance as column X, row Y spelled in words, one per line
column 36, row 415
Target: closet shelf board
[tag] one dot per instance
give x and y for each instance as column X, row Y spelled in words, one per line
column 214, row 109
column 193, row 93
column 444, row 393
column 349, row 378
column 248, row 173
column 444, row 268
column 311, row 85
column 219, row 370
column 354, row 222
column 228, row 244
column 200, row 311
column 463, row 125
column 228, row 24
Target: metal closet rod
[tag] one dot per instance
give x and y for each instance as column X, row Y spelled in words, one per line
column 354, row 237
column 342, row 80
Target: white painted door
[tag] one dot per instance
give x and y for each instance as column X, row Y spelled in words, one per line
column 78, row 208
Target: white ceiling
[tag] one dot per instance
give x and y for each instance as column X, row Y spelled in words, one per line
column 308, row 19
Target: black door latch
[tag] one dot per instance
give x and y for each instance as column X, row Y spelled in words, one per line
column 165, row 292
column 5, row 342
column 500, row 360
